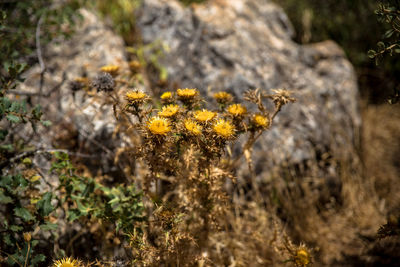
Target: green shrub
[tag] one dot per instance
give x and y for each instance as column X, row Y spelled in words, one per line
column 353, row 25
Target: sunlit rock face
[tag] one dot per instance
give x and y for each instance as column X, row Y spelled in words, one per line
column 81, row 122
column 237, row 45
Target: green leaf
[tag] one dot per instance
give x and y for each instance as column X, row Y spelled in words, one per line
column 73, row 214
column 16, row 228
column 371, row 53
column 13, row 118
column 7, row 240
column 48, row 226
column 15, row 106
column 7, row 147
column 3, row 134
column 46, row 123
column 44, row 205
column 24, row 214
column 4, row 199
column 388, row 33
column 38, row 258
column 82, row 208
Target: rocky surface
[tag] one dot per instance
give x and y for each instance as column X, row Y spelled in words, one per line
column 80, row 122
column 237, row 45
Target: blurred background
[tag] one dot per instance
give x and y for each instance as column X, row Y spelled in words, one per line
column 356, row 25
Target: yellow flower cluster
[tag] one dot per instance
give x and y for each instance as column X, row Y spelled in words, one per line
column 224, row 125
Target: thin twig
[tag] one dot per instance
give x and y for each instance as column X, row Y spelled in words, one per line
column 27, row 253
column 40, row 57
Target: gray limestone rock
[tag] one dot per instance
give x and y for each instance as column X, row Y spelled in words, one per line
column 237, row 45
column 80, row 122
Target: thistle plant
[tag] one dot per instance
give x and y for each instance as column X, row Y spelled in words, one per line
column 181, row 147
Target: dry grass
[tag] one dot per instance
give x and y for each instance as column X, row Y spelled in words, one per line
column 381, row 150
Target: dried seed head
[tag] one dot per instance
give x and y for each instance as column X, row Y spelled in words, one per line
column 159, row 126
column 281, row 97
column 237, row 110
column 169, row 111
column 193, row 127
column 224, row 129
column 103, row 82
column 204, row 115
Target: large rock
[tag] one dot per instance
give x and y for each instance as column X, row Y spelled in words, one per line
column 81, row 122
column 238, row 45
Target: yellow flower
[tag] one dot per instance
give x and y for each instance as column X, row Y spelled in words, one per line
column 204, row 115
column 166, row 96
column 159, row 126
column 27, row 236
column 187, row 93
column 302, row 257
column 112, row 69
column 83, row 80
column 169, row 111
column 260, row 121
column 224, row 128
column 237, row 110
column 222, row 97
column 67, row 262
column 134, row 65
column 135, row 96
column 192, row 127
